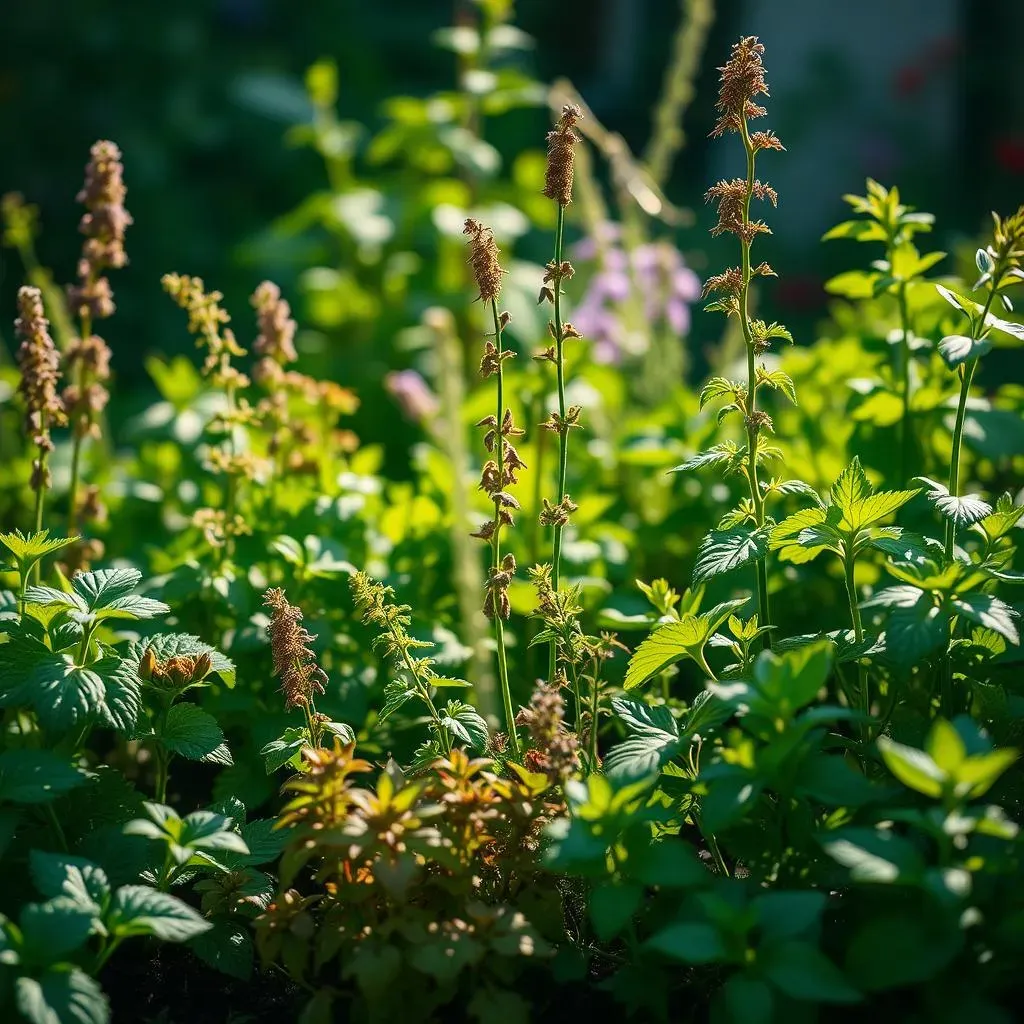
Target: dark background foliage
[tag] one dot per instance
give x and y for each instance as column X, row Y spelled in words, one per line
column 199, row 93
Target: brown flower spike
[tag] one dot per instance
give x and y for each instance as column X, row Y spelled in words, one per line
column 558, row 175
column 39, row 364
column 294, row 661
column 483, row 258
column 104, row 224
column 742, row 79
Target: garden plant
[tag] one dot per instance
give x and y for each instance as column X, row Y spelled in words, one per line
column 646, row 692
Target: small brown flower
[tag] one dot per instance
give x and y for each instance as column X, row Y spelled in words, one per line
column 742, row 79
column 483, row 258
column 39, row 364
column 561, row 140
column 294, row 661
column 104, row 224
column 729, row 281
column 276, row 340
column 555, row 748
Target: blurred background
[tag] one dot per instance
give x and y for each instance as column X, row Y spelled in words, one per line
column 348, row 184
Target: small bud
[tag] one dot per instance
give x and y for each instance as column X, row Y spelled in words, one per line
column 147, row 663
column 203, row 665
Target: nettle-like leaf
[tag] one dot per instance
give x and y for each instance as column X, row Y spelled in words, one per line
column 722, row 551
column 806, row 534
column 140, row 910
column 778, row 380
column 466, row 724
column 396, row 693
column 65, row 695
column 62, row 994
column 103, row 594
column 720, row 387
column 196, row 834
column 27, row 549
column 916, row 623
column 859, row 503
column 1006, row 515
column 991, row 612
column 170, row 645
column 963, row 510
column 654, row 739
column 674, row 641
column 286, row 749
column 74, row 878
column 727, row 454
column 194, row 734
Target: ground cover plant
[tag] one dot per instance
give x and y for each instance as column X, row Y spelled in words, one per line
column 699, row 699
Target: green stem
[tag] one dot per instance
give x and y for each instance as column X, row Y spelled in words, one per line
column 906, row 430
column 753, row 430
column 105, row 954
column 595, row 698
column 849, row 566
column 55, row 824
column 563, row 433
column 499, row 628
column 704, row 666
column 40, row 490
column 966, row 376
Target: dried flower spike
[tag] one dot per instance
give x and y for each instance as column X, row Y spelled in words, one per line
column 294, row 661
column 483, row 258
column 561, row 142
column 104, row 224
column 39, row 364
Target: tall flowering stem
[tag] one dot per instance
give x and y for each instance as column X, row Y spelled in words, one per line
column 558, row 182
column 294, row 661
column 39, row 363
column 742, row 80
column 501, row 471
column 104, row 224
column 1001, row 264
column 207, row 320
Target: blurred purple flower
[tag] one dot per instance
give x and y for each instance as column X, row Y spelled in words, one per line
column 413, row 394
column 666, row 284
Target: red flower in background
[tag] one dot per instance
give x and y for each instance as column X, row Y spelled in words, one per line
column 1009, row 153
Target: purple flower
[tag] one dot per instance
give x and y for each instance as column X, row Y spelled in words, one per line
column 666, row 285
column 413, row 394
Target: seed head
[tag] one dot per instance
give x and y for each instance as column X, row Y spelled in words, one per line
column 742, row 79
column 561, row 142
column 294, row 662
column 483, row 258
column 555, row 747
column 39, row 363
column 277, row 328
column 104, row 224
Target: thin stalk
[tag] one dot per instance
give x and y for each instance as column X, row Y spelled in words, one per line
column 563, row 433
column 966, row 376
column 58, row 831
column 756, row 498
column 499, row 628
column 37, row 568
column 76, row 449
column 849, row 565
column 423, row 689
column 906, row 428
column 595, row 698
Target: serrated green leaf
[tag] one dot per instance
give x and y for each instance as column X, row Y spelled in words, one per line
column 27, row 549
column 718, row 387
column 961, row 511
column 720, row 454
column 140, row 910
column 722, row 551
column 61, row 995
column 226, row 947
column 675, row 640
column 76, row 878
column 851, row 487
column 990, row 612
column 874, row 508
column 286, row 749
column 466, row 724
column 193, row 734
